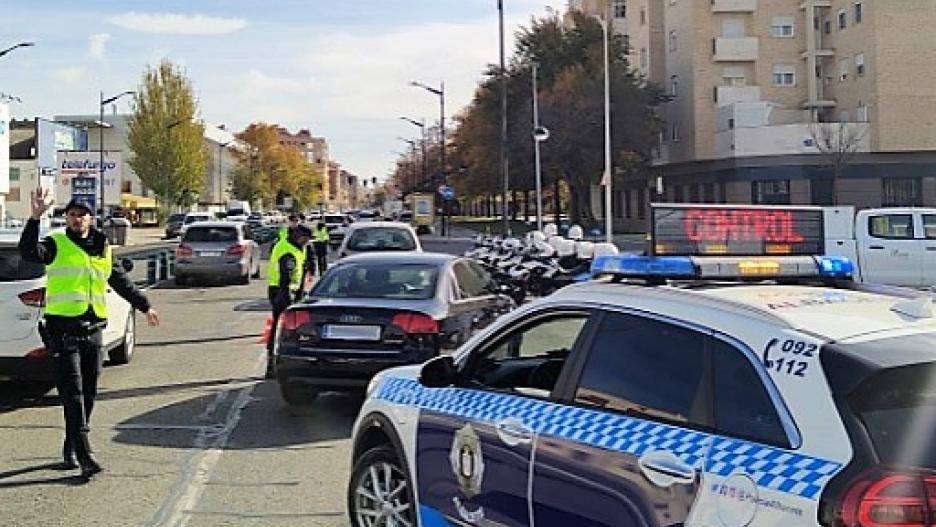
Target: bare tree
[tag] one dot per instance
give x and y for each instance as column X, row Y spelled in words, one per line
column 838, row 143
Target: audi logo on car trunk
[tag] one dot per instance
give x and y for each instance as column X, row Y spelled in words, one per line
column 350, row 319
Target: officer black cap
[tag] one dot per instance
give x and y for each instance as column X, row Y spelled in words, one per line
column 79, row 204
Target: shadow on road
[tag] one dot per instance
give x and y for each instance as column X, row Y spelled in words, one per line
column 198, row 341
column 265, row 423
column 59, row 480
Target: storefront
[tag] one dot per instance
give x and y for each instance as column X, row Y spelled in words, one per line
column 140, row 210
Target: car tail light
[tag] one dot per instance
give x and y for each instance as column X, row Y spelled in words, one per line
column 184, row 250
column 293, row 320
column 237, row 250
column 33, row 297
column 882, row 499
column 37, row 353
column 418, row 323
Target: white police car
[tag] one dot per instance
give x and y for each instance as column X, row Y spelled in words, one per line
column 708, row 401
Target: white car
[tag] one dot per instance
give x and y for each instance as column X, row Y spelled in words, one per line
column 374, row 236
column 22, row 296
column 195, row 217
column 705, row 401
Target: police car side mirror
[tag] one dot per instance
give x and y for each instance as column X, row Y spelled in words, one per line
column 439, row 372
column 127, row 264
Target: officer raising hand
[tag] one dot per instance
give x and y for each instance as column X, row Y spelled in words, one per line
column 79, row 269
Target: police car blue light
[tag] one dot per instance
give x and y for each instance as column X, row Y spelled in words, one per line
column 638, row 266
column 836, row 267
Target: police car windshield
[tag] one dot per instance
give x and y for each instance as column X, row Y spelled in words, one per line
column 379, row 280
column 898, row 409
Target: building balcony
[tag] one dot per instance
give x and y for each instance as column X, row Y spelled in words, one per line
column 734, row 6
column 789, row 139
column 742, row 49
column 735, row 94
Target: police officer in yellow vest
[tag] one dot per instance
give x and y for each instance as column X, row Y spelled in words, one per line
column 320, row 244
column 79, row 269
column 285, row 275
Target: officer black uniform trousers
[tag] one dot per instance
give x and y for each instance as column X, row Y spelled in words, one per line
column 76, row 365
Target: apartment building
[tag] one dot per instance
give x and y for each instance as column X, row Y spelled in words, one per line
column 754, row 82
column 314, row 149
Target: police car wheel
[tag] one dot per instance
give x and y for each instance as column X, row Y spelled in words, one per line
column 123, row 353
column 380, row 493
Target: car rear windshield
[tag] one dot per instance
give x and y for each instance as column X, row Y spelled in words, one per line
column 334, row 219
column 176, row 217
column 381, row 239
column 898, row 409
column 379, row 280
column 210, row 234
column 14, row 268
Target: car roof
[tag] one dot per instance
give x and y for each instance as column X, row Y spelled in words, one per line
column 409, row 257
column 830, row 313
column 381, row 224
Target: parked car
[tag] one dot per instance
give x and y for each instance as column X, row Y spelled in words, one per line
column 22, row 298
column 373, row 311
column 194, row 217
column 174, row 225
column 217, row 249
column 337, row 225
column 379, row 236
column 255, row 220
column 367, row 215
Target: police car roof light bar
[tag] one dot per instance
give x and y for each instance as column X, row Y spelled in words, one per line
column 657, row 268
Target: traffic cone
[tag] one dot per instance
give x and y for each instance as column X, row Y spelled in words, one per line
column 267, row 330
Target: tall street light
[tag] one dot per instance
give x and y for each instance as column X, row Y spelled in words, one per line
column 504, row 160
column 606, row 177
column 102, row 124
column 441, row 93
column 17, row 46
column 540, row 134
column 413, row 155
column 221, row 147
column 425, row 156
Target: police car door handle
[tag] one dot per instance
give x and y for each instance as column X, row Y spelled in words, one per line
column 514, row 432
column 664, row 469
column 877, row 247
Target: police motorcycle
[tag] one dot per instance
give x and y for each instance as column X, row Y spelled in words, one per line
column 570, row 264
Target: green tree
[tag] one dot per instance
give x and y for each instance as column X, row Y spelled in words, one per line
column 168, row 153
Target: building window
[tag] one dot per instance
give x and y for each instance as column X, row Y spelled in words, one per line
column 674, row 85
column 643, row 16
column 770, row 192
column 620, row 9
column 782, row 27
column 644, row 58
column 859, row 12
column 842, row 19
column 862, row 115
column 674, row 135
column 708, row 193
column 902, row 192
column 827, row 26
column 14, row 174
column 125, row 187
column 843, row 70
column 784, row 75
column 672, row 40
column 628, row 210
column 860, row 64
column 641, row 204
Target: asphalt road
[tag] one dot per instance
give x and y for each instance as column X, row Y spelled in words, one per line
column 189, row 433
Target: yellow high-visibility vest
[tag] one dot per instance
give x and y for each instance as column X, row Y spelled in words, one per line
column 75, row 280
column 282, row 248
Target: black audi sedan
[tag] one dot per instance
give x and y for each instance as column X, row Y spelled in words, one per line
column 374, row 311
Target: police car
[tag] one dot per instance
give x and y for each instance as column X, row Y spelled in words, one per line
column 674, row 390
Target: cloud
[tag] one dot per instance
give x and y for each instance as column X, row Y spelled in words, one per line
column 96, row 44
column 68, row 75
column 177, row 23
column 257, row 83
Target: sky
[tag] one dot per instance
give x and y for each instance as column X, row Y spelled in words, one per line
column 340, row 68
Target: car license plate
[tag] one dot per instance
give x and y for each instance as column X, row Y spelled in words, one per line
column 210, row 253
column 351, row 332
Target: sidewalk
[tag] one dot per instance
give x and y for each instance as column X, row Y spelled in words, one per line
column 145, row 235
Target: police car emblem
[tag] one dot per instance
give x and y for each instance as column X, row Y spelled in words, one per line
column 467, row 461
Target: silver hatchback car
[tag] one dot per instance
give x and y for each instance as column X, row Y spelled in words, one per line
column 218, row 251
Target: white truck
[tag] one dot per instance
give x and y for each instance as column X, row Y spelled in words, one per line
column 889, row 246
column 894, row 246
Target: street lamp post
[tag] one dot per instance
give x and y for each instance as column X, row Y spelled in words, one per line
column 540, row 134
column 504, row 159
column 425, row 156
column 101, row 125
column 17, row 46
column 441, row 93
column 607, row 177
column 413, row 155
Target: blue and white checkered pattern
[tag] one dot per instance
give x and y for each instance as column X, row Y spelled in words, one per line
column 771, row 468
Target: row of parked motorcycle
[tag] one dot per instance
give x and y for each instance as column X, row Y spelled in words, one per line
column 541, row 262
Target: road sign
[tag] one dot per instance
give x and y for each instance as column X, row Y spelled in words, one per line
column 447, row 192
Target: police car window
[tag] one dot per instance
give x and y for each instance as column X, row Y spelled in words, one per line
column 891, row 226
column 529, row 360
column 646, row 367
column 743, row 407
column 929, row 226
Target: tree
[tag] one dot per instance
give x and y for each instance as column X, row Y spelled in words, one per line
column 266, row 170
column 168, row 153
column 838, row 143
